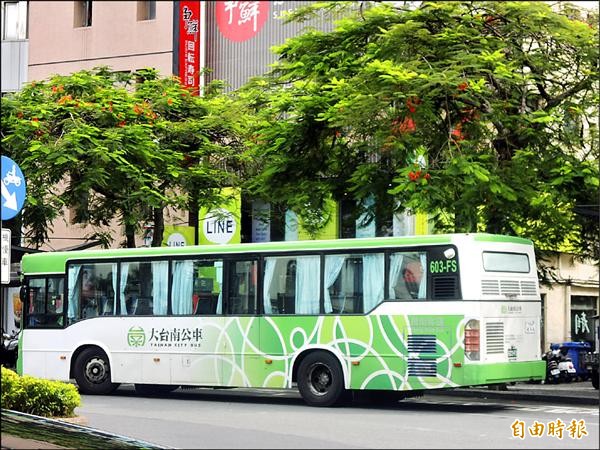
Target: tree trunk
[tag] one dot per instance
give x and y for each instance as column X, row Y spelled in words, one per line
column 159, row 226
column 130, row 235
column 193, row 214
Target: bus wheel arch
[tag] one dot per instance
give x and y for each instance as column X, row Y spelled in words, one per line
column 320, row 377
column 90, row 366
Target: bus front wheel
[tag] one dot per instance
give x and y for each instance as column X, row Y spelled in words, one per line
column 320, row 379
column 92, row 372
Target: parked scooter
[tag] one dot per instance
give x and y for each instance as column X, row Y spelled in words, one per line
column 9, row 349
column 566, row 367
column 552, row 371
column 559, row 366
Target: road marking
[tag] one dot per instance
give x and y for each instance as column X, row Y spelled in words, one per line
column 554, row 410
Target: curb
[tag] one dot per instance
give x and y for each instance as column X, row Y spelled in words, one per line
column 541, row 397
column 77, row 420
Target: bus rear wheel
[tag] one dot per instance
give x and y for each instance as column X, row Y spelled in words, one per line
column 320, row 379
column 92, row 372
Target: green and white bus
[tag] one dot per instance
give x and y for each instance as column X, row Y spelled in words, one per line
column 395, row 316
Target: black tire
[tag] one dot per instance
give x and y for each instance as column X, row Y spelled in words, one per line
column 320, row 379
column 594, row 378
column 92, row 372
column 154, row 389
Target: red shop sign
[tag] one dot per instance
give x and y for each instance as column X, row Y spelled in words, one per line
column 240, row 21
column 189, row 44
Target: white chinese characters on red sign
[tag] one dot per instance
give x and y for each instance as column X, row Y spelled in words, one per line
column 240, row 21
column 189, row 54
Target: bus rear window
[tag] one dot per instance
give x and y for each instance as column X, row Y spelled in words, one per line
column 505, row 262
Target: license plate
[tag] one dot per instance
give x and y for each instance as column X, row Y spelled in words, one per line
column 570, row 370
column 554, row 371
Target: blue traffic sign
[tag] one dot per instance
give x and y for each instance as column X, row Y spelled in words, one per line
column 13, row 188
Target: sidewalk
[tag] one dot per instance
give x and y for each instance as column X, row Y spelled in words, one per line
column 574, row 393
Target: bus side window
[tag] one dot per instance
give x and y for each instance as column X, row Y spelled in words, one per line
column 279, row 285
column 89, row 303
column 407, row 277
column 45, row 303
column 286, row 300
column 207, row 296
column 37, row 300
column 242, row 287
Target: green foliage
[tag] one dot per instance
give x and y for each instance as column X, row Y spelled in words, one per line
column 495, row 101
column 12, row 392
column 36, row 396
column 119, row 146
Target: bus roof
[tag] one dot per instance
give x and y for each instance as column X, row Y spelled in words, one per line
column 54, row 262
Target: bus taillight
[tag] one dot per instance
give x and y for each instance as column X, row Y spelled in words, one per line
column 472, row 340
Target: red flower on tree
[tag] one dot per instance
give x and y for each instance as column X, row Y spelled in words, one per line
column 407, row 125
column 456, row 133
column 416, row 176
column 412, row 103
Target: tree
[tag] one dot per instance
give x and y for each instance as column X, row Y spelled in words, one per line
column 119, row 146
column 480, row 114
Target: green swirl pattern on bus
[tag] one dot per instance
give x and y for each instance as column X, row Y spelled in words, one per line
column 374, row 357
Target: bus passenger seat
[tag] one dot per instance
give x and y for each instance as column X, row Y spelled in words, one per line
column 106, row 307
column 131, row 305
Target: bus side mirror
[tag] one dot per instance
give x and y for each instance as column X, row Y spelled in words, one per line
column 23, row 294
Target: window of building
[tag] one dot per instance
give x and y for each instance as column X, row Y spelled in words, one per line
column 14, row 20
column 9, row 20
column 277, row 223
column 83, row 14
column 146, row 10
column 348, row 217
column 356, row 223
column 583, row 308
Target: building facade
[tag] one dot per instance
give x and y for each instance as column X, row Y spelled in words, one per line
column 570, row 301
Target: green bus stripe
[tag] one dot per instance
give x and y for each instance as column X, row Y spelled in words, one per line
column 54, row 262
column 501, row 238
